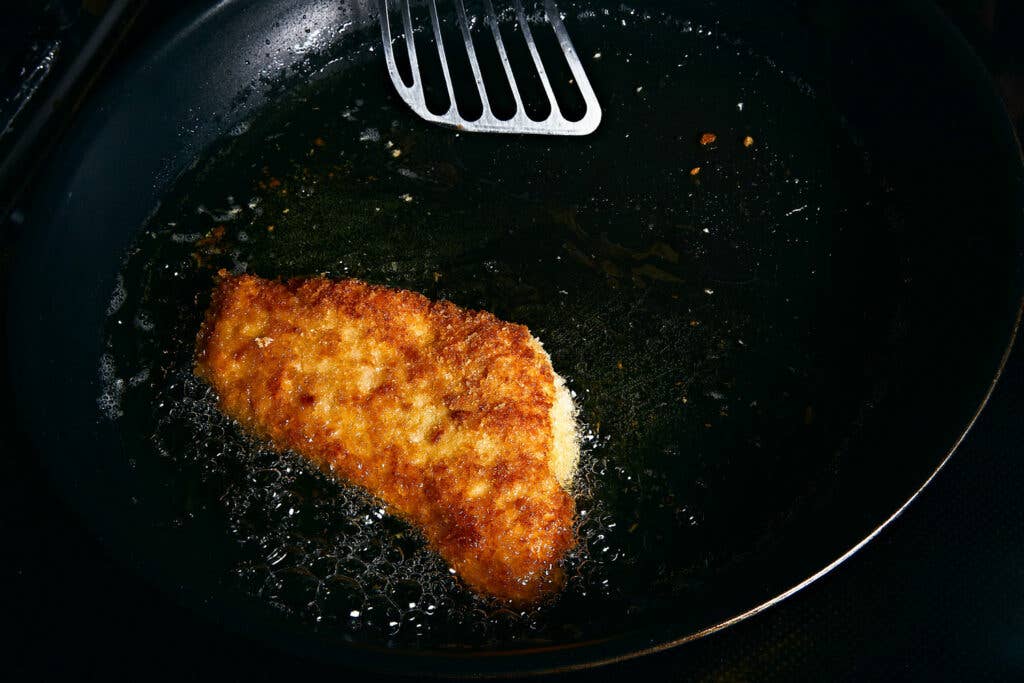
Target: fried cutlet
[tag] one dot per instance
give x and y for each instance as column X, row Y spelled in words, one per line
column 455, row 419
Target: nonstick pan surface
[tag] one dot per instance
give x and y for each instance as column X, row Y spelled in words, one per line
column 770, row 355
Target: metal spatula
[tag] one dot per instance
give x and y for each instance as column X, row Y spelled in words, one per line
column 519, row 122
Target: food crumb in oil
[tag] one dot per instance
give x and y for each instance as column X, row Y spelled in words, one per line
column 748, row 141
column 708, row 138
column 319, row 142
column 406, row 197
column 695, row 170
column 270, row 228
column 396, row 153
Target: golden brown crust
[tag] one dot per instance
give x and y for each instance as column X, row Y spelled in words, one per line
column 442, row 412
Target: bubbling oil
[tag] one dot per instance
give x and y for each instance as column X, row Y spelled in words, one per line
column 332, row 554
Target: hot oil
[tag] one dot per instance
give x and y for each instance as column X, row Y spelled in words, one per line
column 677, row 286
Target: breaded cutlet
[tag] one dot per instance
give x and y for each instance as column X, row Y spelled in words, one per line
column 453, row 418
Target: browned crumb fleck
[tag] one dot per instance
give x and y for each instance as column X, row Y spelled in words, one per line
column 212, row 238
column 708, row 138
column 209, row 245
column 270, row 228
column 319, row 142
column 695, row 170
column 748, row 141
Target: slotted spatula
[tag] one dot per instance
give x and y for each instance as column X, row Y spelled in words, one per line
column 519, row 122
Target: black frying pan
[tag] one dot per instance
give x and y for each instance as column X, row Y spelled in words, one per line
column 771, row 356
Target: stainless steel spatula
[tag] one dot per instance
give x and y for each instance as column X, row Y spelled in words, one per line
column 519, row 122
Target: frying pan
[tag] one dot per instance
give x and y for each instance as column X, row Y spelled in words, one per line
column 771, row 355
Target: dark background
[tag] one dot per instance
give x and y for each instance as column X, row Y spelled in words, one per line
column 939, row 595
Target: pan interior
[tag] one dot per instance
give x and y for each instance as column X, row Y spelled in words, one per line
column 694, row 296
